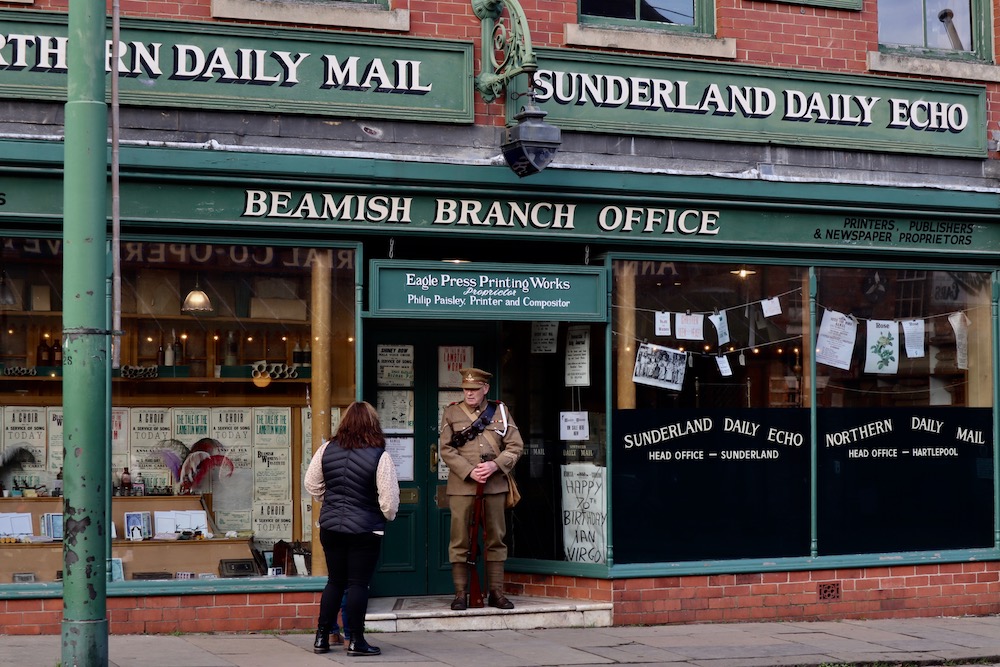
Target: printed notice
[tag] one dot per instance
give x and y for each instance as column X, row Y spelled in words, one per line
column 150, row 440
column 54, row 432
column 272, row 521
column 451, row 359
column 394, row 365
column 835, row 343
column 272, row 427
column 721, row 323
column 395, row 410
column 574, row 426
column 913, row 337
column 662, row 323
column 272, row 474
column 24, row 429
column 578, row 356
column 401, row 451
column 544, row 337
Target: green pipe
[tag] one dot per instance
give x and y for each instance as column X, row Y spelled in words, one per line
column 85, row 341
column 813, row 429
column 995, row 324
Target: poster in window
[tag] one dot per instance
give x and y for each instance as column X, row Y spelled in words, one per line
column 451, row 359
column 578, row 356
column 544, row 337
column 835, row 342
column 121, row 436
column 394, row 365
column 24, row 429
column 395, row 410
column 401, row 450
column 151, row 444
column 232, row 487
column 54, row 433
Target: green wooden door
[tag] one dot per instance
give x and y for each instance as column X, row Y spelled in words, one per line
column 406, row 368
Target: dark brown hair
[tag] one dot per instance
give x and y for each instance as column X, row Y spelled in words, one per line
column 359, row 427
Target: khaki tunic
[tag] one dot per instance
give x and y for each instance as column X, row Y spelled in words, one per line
column 495, row 441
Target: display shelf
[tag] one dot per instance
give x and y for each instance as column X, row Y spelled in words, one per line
column 43, row 560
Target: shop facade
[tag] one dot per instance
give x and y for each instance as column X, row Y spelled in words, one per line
column 765, row 392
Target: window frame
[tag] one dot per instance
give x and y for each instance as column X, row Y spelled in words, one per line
column 704, row 21
column 982, row 41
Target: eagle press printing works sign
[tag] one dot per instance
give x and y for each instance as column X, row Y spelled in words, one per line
column 434, row 289
column 592, row 92
column 277, row 71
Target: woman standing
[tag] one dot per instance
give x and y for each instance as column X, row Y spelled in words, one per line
column 355, row 479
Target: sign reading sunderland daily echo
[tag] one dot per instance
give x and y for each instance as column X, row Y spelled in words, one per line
column 592, row 92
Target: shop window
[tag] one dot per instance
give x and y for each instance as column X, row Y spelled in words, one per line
column 553, row 382
column 941, row 26
column 710, row 434
column 211, row 409
column 904, row 410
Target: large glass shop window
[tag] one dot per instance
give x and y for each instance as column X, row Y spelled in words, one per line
column 554, row 383
column 904, row 393
column 212, row 415
column 710, row 433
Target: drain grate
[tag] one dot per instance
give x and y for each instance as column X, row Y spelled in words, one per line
column 829, row 591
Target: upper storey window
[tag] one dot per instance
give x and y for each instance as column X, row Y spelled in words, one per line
column 934, row 27
column 684, row 15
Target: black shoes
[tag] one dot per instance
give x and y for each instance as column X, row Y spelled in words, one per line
column 361, row 647
column 499, row 600
column 322, row 642
column 459, row 603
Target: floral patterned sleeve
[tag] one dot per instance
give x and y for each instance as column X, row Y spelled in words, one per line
column 388, row 486
column 314, row 482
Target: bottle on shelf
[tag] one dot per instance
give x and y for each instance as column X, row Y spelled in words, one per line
column 57, row 353
column 168, row 354
column 307, row 355
column 43, row 355
column 126, row 482
column 139, row 485
column 178, row 352
column 297, row 354
column 231, row 348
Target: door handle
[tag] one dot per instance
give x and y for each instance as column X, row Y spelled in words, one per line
column 434, row 458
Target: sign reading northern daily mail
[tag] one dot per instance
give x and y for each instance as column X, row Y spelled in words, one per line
column 220, row 66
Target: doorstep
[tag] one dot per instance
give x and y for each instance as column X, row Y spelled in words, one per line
column 433, row 612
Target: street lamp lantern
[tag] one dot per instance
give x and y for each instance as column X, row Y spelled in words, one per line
column 530, row 146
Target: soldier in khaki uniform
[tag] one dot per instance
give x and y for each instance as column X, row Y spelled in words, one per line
column 486, row 458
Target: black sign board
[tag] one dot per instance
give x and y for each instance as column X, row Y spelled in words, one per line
column 710, row 484
column 904, row 479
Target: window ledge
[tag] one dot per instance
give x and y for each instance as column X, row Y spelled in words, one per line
column 654, row 41
column 339, row 14
column 951, row 69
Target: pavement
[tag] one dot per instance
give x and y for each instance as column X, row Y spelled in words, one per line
column 916, row 641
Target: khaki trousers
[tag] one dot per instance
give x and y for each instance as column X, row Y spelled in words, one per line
column 494, row 521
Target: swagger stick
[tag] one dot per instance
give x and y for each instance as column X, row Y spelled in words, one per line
column 475, row 590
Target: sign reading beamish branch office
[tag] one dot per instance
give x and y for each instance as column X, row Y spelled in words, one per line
column 649, row 221
column 592, row 92
column 221, row 66
column 431, row 289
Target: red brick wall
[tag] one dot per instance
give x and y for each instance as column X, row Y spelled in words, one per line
column 239, row 612
column 947, row 589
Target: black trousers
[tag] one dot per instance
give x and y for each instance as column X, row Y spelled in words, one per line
column 350, row 564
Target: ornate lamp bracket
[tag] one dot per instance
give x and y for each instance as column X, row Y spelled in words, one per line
column 506, row 46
